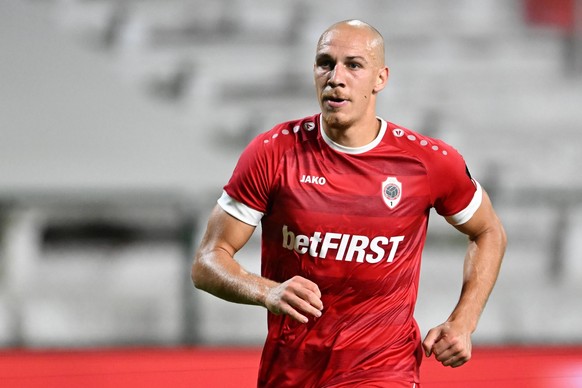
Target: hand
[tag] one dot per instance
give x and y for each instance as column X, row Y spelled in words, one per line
column 450, row 344
column 295, row 297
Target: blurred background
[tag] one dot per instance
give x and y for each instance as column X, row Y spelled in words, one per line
column 120, row 121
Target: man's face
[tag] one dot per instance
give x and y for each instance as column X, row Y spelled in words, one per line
column 347, row 71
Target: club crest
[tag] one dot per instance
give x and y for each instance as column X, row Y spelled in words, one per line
column 391, row 192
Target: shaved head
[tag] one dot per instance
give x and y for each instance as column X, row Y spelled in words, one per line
column 374, row 38
column 349, row 72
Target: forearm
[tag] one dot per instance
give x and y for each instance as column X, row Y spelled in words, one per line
column 215, row 271
column 451, row 341
column 481, row 268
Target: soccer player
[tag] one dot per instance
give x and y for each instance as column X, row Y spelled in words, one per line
column 343, row 198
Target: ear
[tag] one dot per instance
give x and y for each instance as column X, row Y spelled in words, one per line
column 382, row 79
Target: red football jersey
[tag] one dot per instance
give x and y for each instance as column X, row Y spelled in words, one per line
column 352, row 220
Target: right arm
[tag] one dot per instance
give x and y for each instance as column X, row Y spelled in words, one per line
column 216, row 271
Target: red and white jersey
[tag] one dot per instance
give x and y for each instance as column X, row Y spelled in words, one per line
column 352, row 220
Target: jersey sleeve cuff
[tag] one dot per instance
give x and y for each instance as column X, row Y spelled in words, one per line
column 239, row 210
column 466, row 214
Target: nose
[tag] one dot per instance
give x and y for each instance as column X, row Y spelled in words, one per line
column 336, row 76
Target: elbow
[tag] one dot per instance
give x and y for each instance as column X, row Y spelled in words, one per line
column 503, row 238
column 503, row 244
column 197, row 273
column 501, row 235
column 495, row 232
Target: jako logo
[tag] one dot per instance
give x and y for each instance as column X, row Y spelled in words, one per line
column 345, row 247
column 316, row 180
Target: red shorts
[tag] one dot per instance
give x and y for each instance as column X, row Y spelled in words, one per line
column 374, row 384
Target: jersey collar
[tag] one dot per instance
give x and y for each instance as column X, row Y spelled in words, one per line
column 354, row 150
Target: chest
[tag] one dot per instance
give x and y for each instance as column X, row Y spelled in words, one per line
column 335, row 216
column 377, row 185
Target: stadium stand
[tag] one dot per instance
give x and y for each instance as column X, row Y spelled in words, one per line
column 166, row 94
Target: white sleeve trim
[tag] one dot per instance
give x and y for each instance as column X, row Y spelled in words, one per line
column 239, row 210
column 466, row 214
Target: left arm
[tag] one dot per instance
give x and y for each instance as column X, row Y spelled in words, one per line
column 450, row 342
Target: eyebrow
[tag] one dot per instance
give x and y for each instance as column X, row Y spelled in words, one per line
column 349, row 58
column 357, row 57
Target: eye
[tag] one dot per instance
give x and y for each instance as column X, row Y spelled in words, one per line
column 354, row 65
column 325, row 64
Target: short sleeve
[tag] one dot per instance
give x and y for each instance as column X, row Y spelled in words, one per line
column 250, row 180
column 239, row 210
column 465, row 215
column 254, row 177
column 454, row 193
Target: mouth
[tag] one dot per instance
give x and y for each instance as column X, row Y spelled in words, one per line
column 334, row 101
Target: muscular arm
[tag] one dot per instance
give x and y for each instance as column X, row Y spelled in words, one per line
column 216, row 271
column 451, row 341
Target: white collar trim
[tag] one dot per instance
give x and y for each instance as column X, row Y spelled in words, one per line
column 354, row 150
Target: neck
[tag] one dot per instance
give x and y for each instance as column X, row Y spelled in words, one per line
column 354, row 135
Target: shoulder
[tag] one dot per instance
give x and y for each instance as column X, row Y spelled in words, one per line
column 267, row 149
column 288, row 134
column 425, row 148
column 255, row 174
column 451, row 187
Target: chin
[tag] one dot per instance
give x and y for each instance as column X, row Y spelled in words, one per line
column 336, row 119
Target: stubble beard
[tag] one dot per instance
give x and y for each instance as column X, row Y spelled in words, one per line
column 336, row 121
